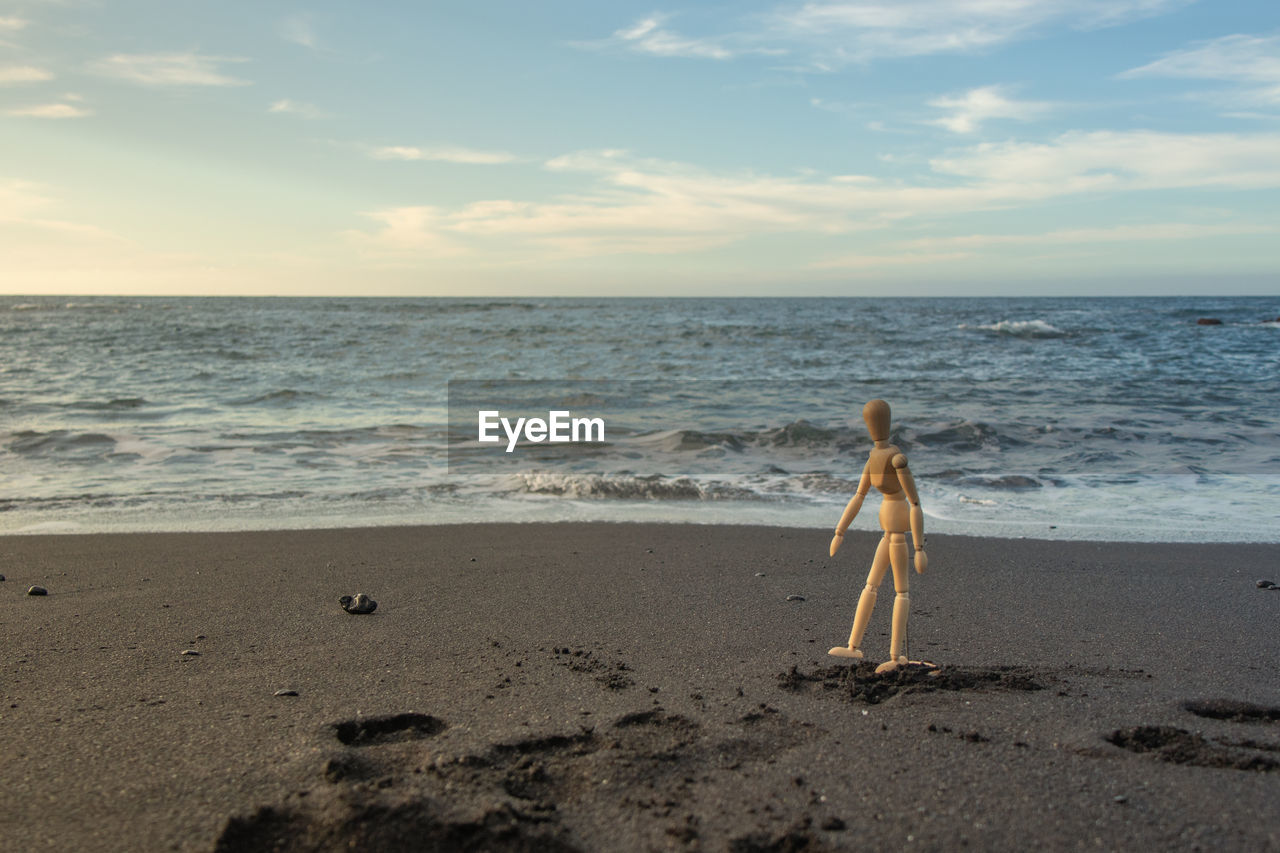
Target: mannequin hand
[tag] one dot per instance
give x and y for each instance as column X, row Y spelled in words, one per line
column 922, row 562
column 836, row 542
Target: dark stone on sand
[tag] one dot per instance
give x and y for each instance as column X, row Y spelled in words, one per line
column 358, row 603
column 833, row 824
column 1208, row 321
column 795, row 598
column 37, row 590
column 285, row 693
column 1, row 577
column 1266, row 585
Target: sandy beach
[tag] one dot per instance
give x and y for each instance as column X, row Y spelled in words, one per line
column 631, row 687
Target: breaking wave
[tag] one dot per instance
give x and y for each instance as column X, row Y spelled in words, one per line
column 1020, row 329
column 628, row 487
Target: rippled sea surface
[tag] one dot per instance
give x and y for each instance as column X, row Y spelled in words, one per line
column 1090, row 418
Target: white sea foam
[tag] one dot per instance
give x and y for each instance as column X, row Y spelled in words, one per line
column 1020, row 328
column 655, row 487
column 145, row 449
column 51, row 527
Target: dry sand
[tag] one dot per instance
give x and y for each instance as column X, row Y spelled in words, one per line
column 631, row 687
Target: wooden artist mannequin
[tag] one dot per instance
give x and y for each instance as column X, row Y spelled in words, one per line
column 887, row 470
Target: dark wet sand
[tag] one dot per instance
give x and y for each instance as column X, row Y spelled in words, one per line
column 631, row 687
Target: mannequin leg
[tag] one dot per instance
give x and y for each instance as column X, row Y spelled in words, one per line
column 901, row 603
column 866, row 602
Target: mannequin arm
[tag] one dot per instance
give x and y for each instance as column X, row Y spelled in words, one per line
column 917, row 514
column 851, row 510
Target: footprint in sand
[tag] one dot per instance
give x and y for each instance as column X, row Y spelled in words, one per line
column 364, row 731
column 525, row 795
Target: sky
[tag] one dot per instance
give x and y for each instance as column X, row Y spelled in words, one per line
column 579, row 147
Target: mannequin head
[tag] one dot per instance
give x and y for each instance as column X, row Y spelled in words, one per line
column 876, row 414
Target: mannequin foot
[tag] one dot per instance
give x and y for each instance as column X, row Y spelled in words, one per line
column 846, row 652
column 890, row 665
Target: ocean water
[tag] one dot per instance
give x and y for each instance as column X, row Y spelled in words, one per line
column 1109, row 419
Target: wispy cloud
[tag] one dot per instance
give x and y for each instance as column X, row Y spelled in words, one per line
column 969, row 110
column 29, row 204
column 447, row 154
column 1116, row 234
column 934, row 250
column 833, row 106
column 413, row 231
column 59, row 109
column 631, row 202
column 169, row 69
column 882, row 260
column 298, row 29
column 1235, row 57
column 1130, row 160
column 21, row 199
column 23, row 74
column 870, row 29
column 9, row 25
column 650, row 36
column 302, row 109
column 826, row 35
column 1252, row 61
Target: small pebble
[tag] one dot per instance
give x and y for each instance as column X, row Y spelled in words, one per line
column 795, row 598
column 191, row 653
column 37, row 590
column 1, row 577
column 833, row 824
column 358, row 603
column 758, row 574
column 1266, row 585
column 1120, row 798
column 285, row 693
